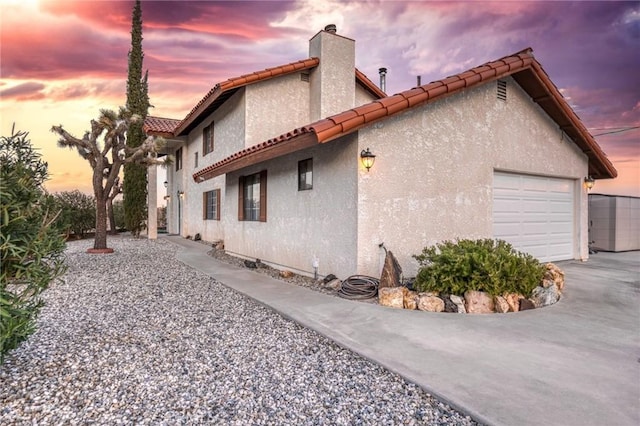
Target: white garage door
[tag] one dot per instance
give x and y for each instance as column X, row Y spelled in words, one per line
column 534, row 214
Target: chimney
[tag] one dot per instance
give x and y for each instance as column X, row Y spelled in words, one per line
column 383, row 79
column 332, row 82
column 419, row 80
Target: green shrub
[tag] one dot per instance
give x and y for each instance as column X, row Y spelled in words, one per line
column 77, row 212
column 492, row 266
column 31, row 248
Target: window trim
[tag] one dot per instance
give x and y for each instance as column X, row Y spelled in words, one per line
column 308, row 186
column 262, row 216
column 205, row 205
column 205, row 145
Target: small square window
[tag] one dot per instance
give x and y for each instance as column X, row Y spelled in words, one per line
column 305, row 174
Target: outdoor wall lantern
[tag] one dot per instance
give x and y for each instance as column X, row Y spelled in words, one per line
column 166, row 184
column 367, row 158
column 589, row 182
column 167, row 197
column 181, row 194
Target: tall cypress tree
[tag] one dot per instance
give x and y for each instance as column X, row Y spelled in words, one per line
column 135, row 175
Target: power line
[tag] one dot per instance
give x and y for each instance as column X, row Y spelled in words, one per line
column 618, row 130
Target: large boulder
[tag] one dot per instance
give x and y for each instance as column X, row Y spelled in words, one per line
column 541, row 296
column 429, row 302
column 410, row 300
column 392, row 296
column 391, row 272
column 478, row 302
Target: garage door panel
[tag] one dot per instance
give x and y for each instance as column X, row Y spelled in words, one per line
column 535, row 214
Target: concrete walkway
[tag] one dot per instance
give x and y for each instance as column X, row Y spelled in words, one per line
column 573, row 363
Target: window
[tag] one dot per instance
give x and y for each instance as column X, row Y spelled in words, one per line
column 178, row 159
column 211, row 205
column 195, row 160
column 207, row 139
column 252, row 197
column 305, row 174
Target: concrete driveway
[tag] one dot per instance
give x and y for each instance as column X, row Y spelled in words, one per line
column 574, row 363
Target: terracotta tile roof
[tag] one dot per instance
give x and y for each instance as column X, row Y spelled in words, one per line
column 369, row 85
column 521, row 66
column 222, row 91
column 216, row 95
column 160, row 126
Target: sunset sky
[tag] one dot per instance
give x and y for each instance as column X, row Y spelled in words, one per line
column 64, row 60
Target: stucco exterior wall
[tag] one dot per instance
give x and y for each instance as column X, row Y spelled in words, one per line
column 362, row 96
column 229, row 125
column 274, row 107
column 433, row 175
column 320, row 222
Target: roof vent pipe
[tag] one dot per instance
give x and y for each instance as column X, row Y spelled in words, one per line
column 383, row 79
column 331, row 28
column 419, row 80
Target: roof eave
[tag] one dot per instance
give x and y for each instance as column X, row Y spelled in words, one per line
column 257, row 154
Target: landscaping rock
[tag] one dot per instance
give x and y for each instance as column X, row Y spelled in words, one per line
column 391, row 272
column 250, row 264
column 286, row 274
column 410, row 299
column 526, row 304
column 513, row 299
column 542, row 296
column 459, row 302
column 478, row 302
column 391, row 296
column 501, row 305
column 334, row 284
column 430, row 303
column 555, row 274
column 329, row 278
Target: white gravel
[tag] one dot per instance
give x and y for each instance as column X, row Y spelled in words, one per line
column 137, row 337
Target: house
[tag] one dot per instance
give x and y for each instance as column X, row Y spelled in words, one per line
column 270, row 163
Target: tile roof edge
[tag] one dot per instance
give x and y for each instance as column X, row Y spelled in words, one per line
column 241, row 81
column 369, row 85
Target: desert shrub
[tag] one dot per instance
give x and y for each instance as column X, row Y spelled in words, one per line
column 77, row 212
column 31, row 248
column 492, row 266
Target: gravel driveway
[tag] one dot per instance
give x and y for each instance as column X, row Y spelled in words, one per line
column 138, row 337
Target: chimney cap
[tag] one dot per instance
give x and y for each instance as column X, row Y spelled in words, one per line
column 331, row 28
column 382, row 70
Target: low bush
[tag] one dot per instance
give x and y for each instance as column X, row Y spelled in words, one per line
column 492, row 266
column 31, row 246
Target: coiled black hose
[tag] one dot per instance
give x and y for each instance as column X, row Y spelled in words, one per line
column 359, row 287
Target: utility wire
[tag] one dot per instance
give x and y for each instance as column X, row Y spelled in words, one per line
column 618, row 130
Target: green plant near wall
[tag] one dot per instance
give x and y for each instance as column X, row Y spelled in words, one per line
column 492, row 266
column 31, row 246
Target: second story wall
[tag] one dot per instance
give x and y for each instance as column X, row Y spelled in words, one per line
column 276, row 106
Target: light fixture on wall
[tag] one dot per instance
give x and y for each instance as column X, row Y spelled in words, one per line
column 167, row 197
column 367, row 158
column 166, row 184
column 589, row 182
column 181, row 194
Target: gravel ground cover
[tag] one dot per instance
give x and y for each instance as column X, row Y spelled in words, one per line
column 137, row 337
